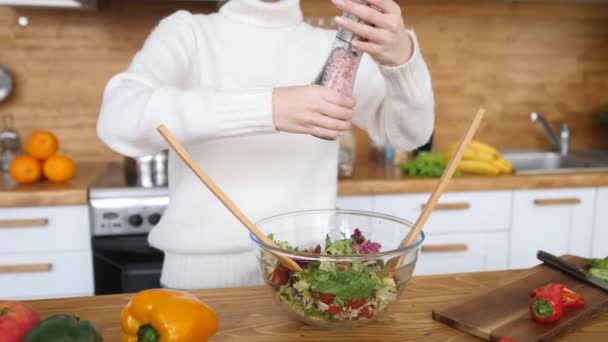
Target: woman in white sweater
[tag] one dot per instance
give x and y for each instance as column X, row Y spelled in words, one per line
column 234, row 88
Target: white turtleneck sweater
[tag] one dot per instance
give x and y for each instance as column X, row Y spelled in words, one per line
column 209, row 79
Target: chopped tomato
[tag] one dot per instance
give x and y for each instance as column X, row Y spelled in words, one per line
column 280, row 276
column 365, row 312
column 326, row 298
column 506, row 340
column 333, row 309
column 355, row 303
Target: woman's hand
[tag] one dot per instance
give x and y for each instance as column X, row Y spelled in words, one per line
column 386, row 39
column 311, row 109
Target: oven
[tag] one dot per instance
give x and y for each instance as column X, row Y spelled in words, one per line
column 122, row 214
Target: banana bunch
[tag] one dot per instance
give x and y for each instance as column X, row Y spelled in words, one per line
column 480, row 158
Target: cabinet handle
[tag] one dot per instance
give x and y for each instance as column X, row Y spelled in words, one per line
column 445, row 248
column 23, row 223
column 450, row 206
column 557, row 201
column 25, row 268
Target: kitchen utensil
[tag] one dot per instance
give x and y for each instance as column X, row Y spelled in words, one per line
column 6, row 83
column 10, row 143
column 181, row 151
column 572, row 270
column 309, row 229
column 502, row 311
column 443, row 183
column 148, row 171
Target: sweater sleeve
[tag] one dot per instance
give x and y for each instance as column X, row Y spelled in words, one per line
column 157, row 88
column 404, row 114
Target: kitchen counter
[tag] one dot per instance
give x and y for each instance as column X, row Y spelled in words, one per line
column 369, row 180
column 45, row 193
column 247, row 314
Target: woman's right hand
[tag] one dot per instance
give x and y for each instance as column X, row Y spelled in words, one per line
column 311, row 109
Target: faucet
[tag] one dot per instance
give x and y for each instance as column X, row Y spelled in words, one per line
column 561, row 144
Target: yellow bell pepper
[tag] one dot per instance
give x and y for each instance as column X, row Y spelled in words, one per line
column 161, row 315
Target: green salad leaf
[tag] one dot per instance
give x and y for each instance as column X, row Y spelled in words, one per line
column 346, row 284
column 426, row 164
column 601, row 273
column 598, row 263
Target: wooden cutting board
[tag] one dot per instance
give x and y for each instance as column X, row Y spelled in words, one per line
column 502, row 312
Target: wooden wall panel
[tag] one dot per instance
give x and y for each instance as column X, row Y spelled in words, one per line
column 512, row 58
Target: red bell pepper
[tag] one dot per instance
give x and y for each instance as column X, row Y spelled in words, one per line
column 570, row 299
column 546, row 306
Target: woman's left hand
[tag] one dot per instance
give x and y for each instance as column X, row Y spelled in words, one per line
column 386, row 39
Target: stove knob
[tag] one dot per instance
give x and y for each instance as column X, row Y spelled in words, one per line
column 136, row 220
column 153, row 219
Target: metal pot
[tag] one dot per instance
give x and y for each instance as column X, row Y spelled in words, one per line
column 148, row 171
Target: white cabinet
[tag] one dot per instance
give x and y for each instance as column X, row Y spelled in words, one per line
column 363, row 203
column 559, row 221
column 45, row 252
column 52, row 3
column 600, row 226
column 456, row 212
column 467, row 252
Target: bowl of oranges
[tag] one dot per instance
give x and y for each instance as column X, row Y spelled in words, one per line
column 41, row 161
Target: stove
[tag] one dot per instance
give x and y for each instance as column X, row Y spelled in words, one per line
column 118, row 206
column 122, row 214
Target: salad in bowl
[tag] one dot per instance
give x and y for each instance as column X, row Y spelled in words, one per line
column 346, row 279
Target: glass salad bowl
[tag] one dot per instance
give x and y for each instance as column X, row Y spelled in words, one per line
column 347, row 279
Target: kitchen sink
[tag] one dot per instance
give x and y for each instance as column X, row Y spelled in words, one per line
column 526, row 161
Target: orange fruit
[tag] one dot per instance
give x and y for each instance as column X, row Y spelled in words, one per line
column 41, row 145
column 25, row 170
column 58, row 169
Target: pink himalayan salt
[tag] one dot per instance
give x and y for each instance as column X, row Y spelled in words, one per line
column 341, row 69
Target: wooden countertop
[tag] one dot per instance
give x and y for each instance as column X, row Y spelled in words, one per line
column 45, row 193
column 247, row 314
column 369, row 180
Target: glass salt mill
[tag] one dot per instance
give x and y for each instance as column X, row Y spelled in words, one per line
column 339, row 73
column 9, row 143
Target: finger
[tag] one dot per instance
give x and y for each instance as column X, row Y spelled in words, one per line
column 328, row 123
column 386, row 6
column 368, row 47
column 337, row 98
column 337, row 112
column 363, row 12
column 361, row 29
column 324, row 133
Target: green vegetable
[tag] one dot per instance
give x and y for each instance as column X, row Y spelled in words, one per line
column 599, row 268
column 598, row 263
column 600, row 273
column 64, row 328
column 344, row 285
column 426, row 164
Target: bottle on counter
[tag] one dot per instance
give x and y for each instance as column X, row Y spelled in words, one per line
column 10, row 143
column 339, row 73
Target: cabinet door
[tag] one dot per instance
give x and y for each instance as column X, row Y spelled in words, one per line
column 457, row 253
column 364, row 203
column 456, row 212
column 558, row 221
column 46, row 275
column 600, row 226
column 37, row 229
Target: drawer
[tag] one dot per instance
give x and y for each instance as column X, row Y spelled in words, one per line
column 53, row 275
column 363, row 203
column 456, row 212
column 44, row 229
column 456, row 253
